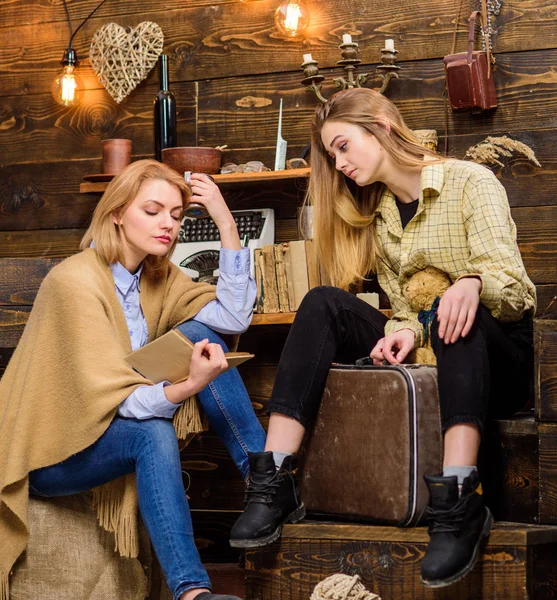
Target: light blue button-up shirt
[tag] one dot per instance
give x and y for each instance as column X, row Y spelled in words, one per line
column 230, row 313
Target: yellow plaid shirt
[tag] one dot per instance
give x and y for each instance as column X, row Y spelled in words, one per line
column 462, row 226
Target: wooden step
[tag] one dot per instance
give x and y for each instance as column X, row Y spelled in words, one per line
column 518, row 563
column 545, row 352
column 518, row 467
column 510, row 470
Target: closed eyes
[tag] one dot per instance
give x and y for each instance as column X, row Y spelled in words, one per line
column 152, row 214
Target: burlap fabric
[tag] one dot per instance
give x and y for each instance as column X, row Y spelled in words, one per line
column 70, row 557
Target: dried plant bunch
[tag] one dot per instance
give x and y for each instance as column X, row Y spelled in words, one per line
column 492, row 149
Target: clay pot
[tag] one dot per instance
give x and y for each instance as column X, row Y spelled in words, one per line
column 117, row 155
column 193, row 158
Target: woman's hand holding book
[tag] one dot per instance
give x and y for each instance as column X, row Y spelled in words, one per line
column 207, row 362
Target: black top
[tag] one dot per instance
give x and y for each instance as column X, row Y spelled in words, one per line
column 406, row 210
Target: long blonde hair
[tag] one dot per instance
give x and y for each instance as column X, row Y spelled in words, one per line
column 343, row 227
column 119, row 194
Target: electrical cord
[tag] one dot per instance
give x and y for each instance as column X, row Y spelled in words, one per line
column 73, row 33
column 69, row 21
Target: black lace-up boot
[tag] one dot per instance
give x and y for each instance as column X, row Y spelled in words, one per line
column 457, row 527
column 272, row 499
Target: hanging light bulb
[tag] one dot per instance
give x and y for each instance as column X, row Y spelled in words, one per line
column 66, row 88
column 291, row 18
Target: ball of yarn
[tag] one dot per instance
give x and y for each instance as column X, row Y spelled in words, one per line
column 342, row 587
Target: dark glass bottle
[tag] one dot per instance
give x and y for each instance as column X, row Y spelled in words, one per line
column 165, row 112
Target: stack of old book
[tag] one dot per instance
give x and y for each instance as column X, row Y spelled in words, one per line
column 284, row 273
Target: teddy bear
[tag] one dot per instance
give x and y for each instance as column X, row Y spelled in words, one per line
column 421, row 290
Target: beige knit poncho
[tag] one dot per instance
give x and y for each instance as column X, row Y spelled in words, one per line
column 65, row 381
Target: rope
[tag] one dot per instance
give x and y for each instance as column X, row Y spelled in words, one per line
column 342, row 587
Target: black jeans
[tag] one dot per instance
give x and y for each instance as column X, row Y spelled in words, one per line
column 487, row 374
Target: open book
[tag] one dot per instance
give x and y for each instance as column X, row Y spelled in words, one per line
column 168, row 358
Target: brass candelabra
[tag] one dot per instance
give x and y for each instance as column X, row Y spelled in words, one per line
column 387, row 69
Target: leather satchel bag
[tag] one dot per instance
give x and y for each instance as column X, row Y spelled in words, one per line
column 469, row 75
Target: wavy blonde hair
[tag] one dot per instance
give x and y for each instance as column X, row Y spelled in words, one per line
column 343, row 221
column 119, row 194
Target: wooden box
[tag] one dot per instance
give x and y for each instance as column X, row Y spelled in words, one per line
column 518, row 563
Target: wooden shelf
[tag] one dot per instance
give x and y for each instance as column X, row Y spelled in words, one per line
column 273, row 318
column 88, row 187
column 264, row 176
column 287, row 318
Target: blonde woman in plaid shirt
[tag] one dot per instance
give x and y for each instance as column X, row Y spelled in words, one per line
column 384, row 204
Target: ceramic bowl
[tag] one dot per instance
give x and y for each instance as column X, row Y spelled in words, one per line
column 193, row 158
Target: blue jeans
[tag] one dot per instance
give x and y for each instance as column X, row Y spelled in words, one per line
column 150, row 449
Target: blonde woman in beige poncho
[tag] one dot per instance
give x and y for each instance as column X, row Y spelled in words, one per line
column 74, row 416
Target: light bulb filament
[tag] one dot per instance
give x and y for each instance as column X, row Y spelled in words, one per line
column 69, row 85
column 293, row 14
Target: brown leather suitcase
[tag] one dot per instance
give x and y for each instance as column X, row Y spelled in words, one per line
column 378, row 431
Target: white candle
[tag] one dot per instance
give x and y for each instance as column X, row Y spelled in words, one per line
column 390, row 45
column 346, row 38
column 307, row 58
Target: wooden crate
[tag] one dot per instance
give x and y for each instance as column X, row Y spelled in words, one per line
column 518, row 563
column 545, row 348
column 510, row 470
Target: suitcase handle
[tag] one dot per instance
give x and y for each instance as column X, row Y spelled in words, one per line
column 367, row 361
column 364, row 361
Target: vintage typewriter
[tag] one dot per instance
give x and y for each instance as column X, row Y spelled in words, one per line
column 197, row 251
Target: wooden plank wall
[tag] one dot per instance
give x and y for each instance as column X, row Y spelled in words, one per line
column 229, row 69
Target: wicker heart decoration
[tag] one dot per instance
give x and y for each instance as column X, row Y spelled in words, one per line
column 122, row 58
